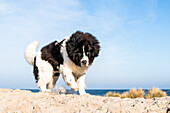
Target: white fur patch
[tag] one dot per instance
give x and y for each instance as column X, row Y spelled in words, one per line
column 85, row 58
column 45, row 72
column 30, row 52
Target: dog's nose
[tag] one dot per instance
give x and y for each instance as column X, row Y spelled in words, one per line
column 84, row 62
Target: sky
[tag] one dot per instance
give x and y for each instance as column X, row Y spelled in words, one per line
column 134, row 36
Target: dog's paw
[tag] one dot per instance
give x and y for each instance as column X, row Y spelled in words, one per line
column 75, row 89
column 74, row 86
column 85, row 94
column 47, row 91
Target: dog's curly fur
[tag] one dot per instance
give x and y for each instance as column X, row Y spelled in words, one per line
column 71, row 57
column 74, row 47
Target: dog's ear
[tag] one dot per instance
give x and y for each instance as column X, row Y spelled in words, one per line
column 96, row 49
column 94, row 44
column 74, row 47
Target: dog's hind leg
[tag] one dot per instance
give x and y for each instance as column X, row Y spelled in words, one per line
column 43, row 88
column 52, row 83
column 45, row 72
column 44, row 78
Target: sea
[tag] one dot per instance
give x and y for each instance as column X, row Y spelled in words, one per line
column 99, row 92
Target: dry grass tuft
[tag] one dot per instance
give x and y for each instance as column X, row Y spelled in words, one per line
column 133, row 93
column 112, row 94
column 155, row 92
column 125, row 95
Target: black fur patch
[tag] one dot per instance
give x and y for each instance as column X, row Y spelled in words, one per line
column 51, row 53
column 35, row 70
column 74, row 47
column 57, row 74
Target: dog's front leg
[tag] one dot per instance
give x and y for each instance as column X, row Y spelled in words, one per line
column 81, row 83
column 69, row 79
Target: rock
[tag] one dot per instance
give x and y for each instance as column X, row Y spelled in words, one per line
column 19, row 101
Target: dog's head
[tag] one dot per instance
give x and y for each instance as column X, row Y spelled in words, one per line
column 82, row 48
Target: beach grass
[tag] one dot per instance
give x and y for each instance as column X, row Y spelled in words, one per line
column 133, row 93
column 140, row 93
column 155, row 92
column 113, row 94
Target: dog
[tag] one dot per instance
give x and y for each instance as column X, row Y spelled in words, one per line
column 71, row 57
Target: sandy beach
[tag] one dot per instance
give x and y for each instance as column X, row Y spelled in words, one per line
column 21, row 101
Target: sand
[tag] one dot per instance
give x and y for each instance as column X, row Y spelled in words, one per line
column 20, row 101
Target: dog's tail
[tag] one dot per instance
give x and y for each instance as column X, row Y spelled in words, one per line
column 30, row 52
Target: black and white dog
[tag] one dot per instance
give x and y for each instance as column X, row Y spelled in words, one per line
column 71, row 57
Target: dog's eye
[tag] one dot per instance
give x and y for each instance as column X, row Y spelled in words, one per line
column 88, row 53
column 79, row 54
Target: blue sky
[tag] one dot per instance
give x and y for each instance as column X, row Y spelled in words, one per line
column 134, row 36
